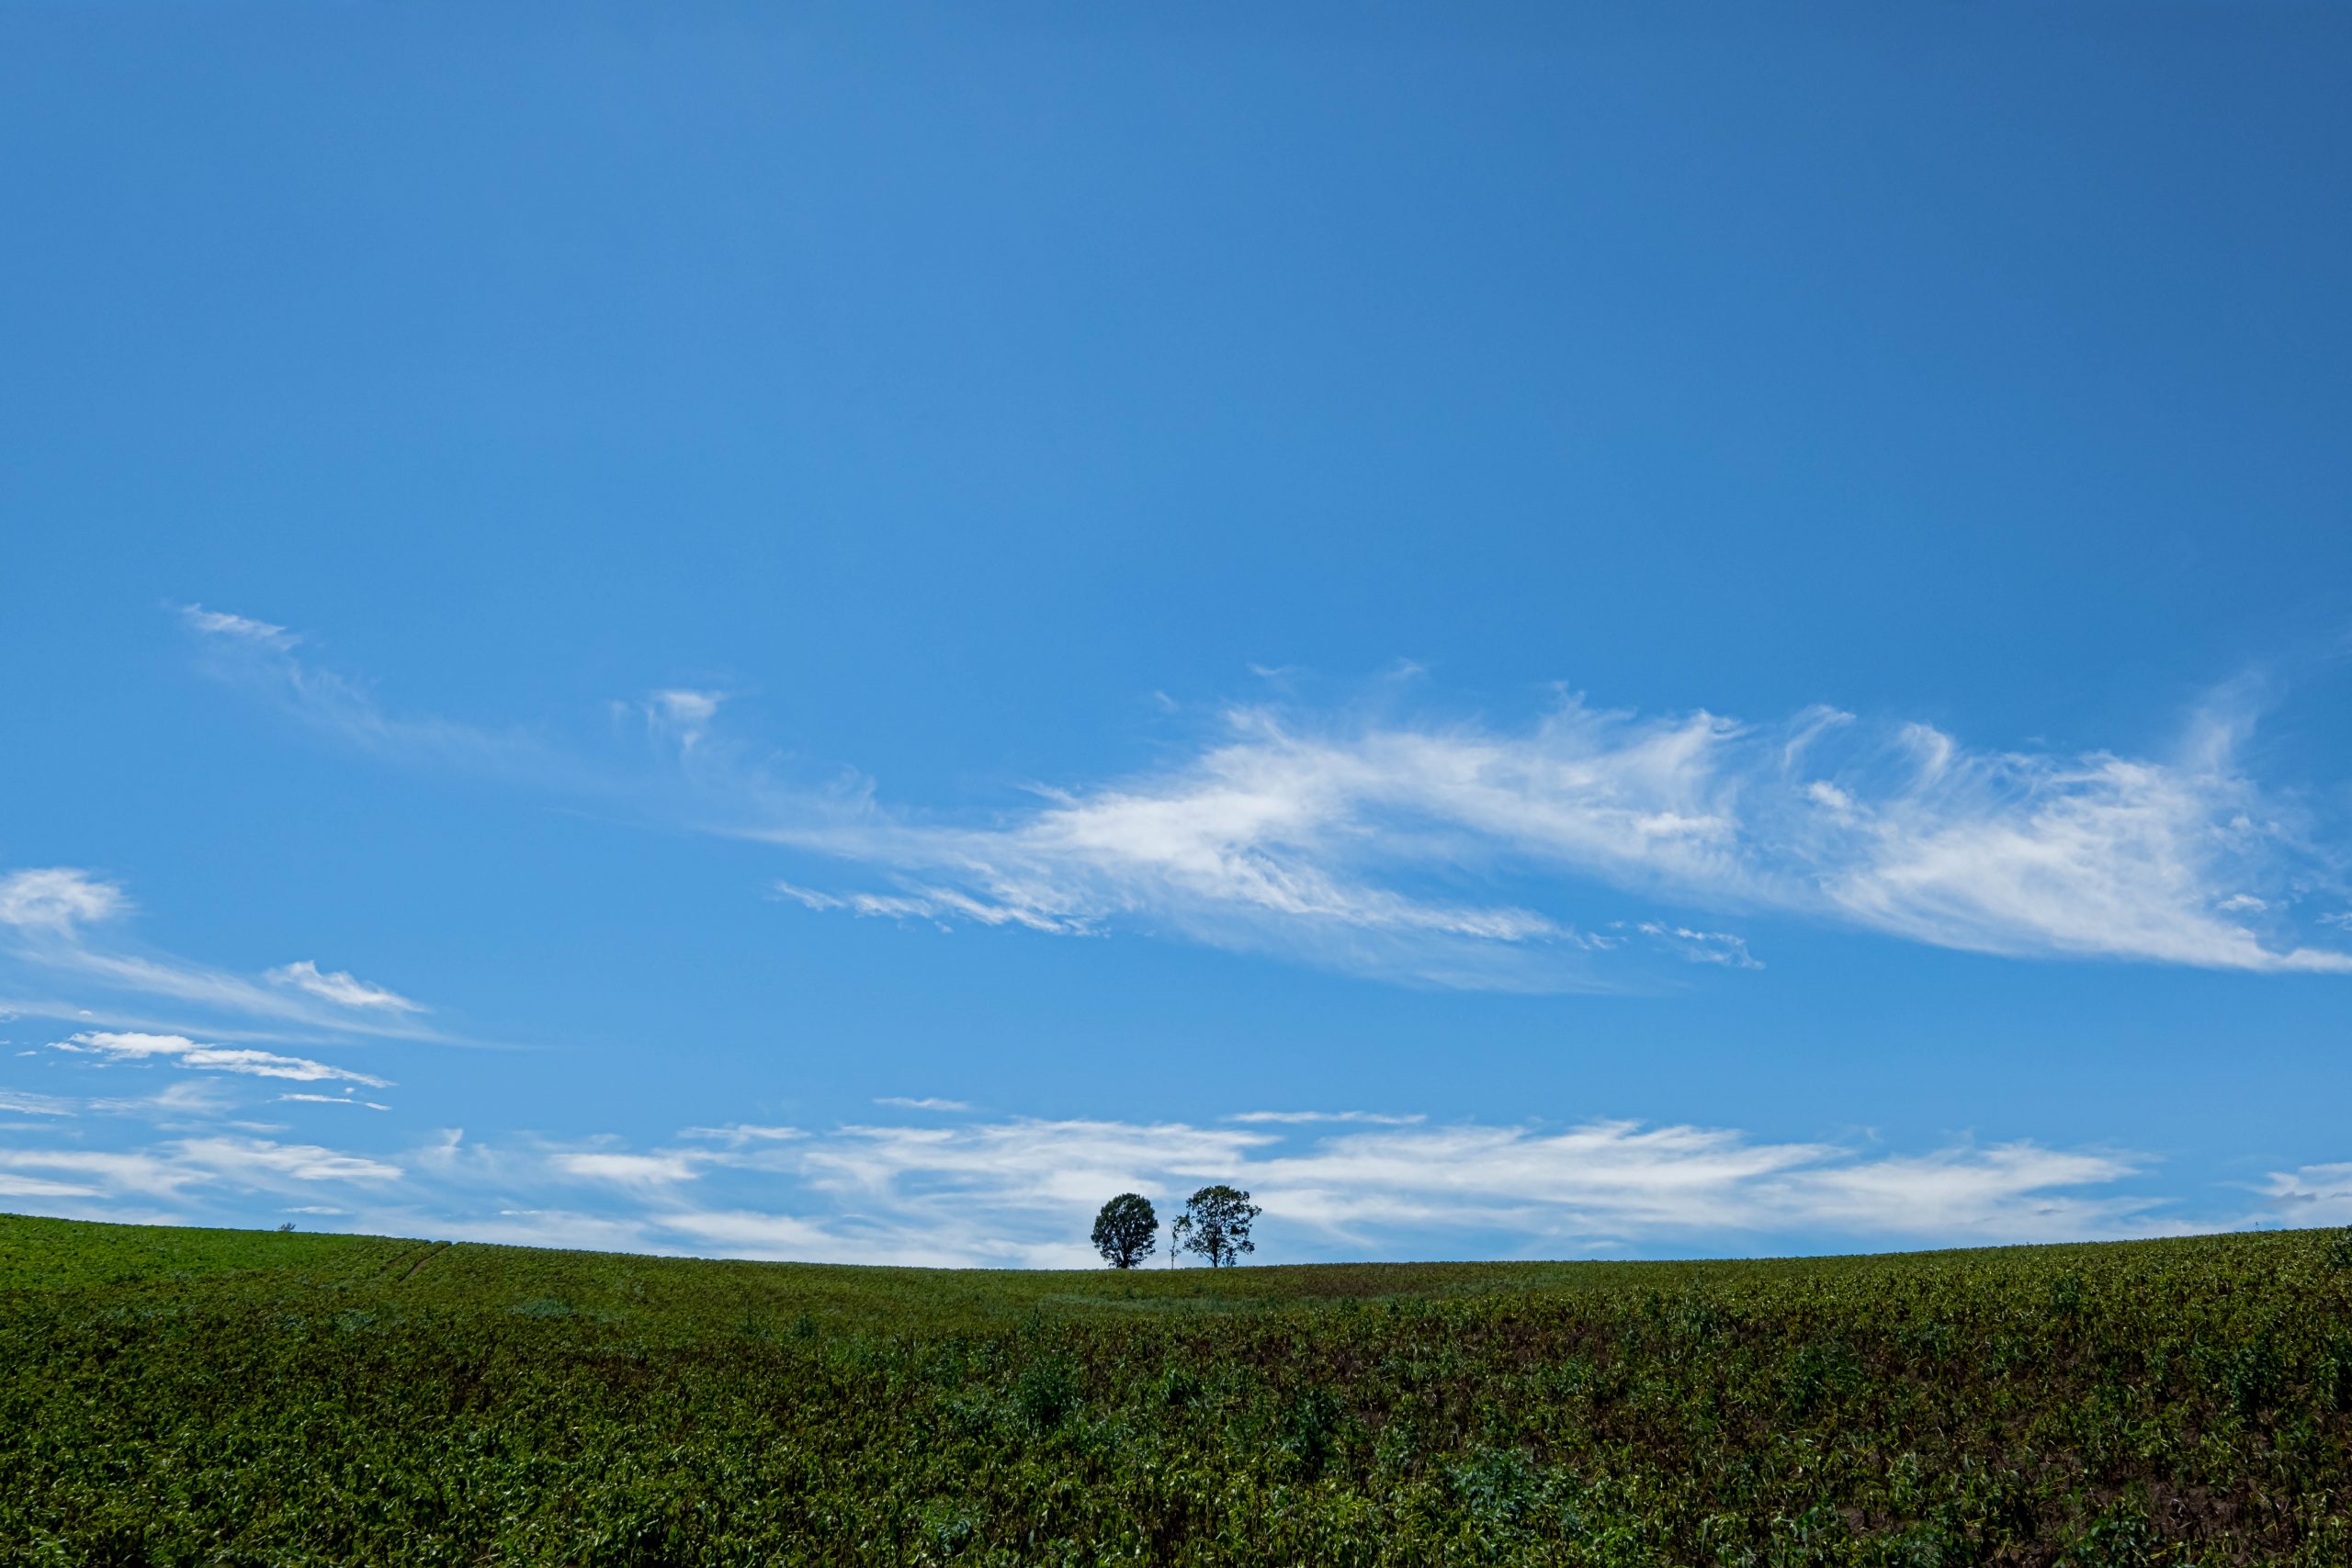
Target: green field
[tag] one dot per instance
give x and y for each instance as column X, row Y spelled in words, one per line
column 194, row 1396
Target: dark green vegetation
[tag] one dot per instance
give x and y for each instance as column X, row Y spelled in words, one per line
column 223, row 1397
column 1215, row 1225
column 1126, row 1231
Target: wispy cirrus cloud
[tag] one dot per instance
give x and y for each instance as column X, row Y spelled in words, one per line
column 337, row 985
column 59, row 923
column 1318, row 835
column 109, row 1045
column 179, row 1169
column 1436, row 850
column 267, row 660
column 1301, row 1117
column 238, row 628
column 2310, row 1194
column 1021, row 1191
column 23, row 1103
column 631, row 1171
column 912, row 1194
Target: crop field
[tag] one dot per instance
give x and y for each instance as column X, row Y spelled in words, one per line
column 184, row 1396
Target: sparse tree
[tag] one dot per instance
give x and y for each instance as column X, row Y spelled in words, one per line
column 1126, row 1230
column 1215, row 1224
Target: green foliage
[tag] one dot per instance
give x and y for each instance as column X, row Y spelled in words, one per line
column 2339, row 1250
column 1215, row 1225
column 186, row 1397
column 1126, row 1230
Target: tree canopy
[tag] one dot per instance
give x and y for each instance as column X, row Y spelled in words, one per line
column 1126, row 1230
column 1215, row 1225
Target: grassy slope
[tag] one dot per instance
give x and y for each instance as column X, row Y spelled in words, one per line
column 218, row 1396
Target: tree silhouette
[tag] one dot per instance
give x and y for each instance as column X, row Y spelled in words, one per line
column 1215, row 1224
column 1126, row 1230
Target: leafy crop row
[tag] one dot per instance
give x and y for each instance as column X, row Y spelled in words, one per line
column 186, row 1397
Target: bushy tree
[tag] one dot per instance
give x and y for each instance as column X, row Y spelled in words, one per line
column 1126, row 1230
column 1215, row 1224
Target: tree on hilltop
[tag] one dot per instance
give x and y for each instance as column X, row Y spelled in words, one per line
column 1215, row 1224
column 1126, row 1230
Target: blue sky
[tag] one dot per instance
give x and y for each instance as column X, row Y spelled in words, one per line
column 839, row 632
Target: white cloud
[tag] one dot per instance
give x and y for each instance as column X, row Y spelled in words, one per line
column 43, row 914
column 91, row 1173
column 807, row 898
column 2099, row 856
column 1701, row 947
column 334, row 1099
column 1299, row 1117
column 1020, row 1192
column 1599, row 1182
column 928, row 1102
column 183, row 1101
column 337, row 986
column 16, row 1185
column 627, row 1169
column 116, row 1046
column 253, row 1160
column 57, row 900
column 1424, row 849
column 1323, row 838
column 238, row 628
column 263, row 658
column 24, row 1105
column 736, row 1134
column 2311, row 1195
column 679, row 715
column 173, row 1170
column 687, row 708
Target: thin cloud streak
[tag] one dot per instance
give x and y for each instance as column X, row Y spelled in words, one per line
column 112, row 1046
column 54, row 921
column 337, row 985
